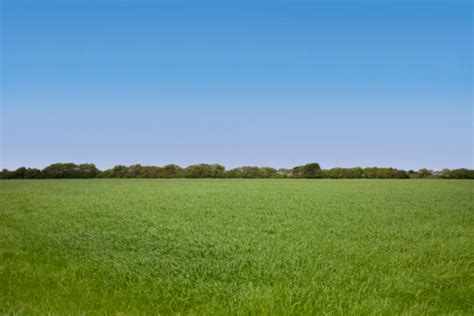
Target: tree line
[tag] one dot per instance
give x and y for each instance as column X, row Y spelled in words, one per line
column 307, row 171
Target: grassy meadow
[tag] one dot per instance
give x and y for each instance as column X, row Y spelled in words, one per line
column 219, row 247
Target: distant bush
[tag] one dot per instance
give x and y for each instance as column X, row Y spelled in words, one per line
column 69, row 170
column 461, row 174
column 424, row 173
column 205, row 171
column 308, row 171
column 344, row 173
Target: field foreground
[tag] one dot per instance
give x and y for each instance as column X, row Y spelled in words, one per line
column 237, row 246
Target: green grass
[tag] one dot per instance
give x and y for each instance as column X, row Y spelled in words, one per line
column 237, row 247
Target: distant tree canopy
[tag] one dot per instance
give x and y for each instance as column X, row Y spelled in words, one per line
column 310, row 170
column 199, row 171
column 69, row 170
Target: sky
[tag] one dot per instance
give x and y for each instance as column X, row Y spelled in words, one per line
column 265, row 83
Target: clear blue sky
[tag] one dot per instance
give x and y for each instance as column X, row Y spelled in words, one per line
column 267, row 83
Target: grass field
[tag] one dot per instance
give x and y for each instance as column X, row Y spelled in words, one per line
column 237, row 247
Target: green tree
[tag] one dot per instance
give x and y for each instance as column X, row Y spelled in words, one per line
column 312, row 170
column 234, row 173
column 250, row 172
column 267, row 172
column 424, row 173
column 171, row 171
column 461, row 174
column 6, row 174
column 217, row 171
column 61, row 170
column 284, row 173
